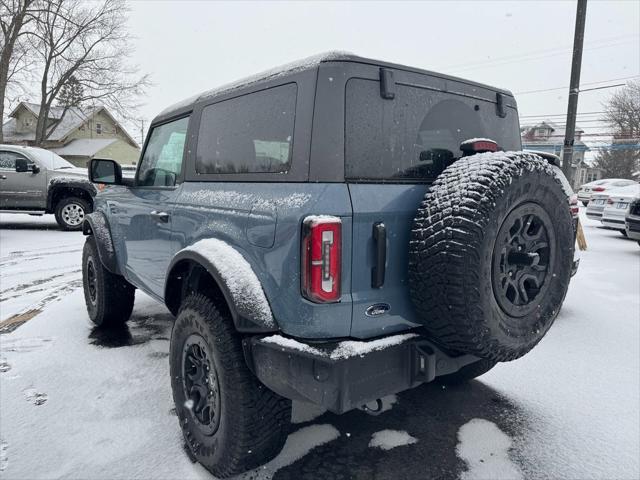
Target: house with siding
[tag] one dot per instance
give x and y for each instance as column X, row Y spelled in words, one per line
column 548, row 136
column 77, row 134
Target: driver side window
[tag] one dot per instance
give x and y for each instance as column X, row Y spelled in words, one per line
column 162, row 160
column 8, row 160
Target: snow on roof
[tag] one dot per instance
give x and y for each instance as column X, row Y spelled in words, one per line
column 84, row 147
column 282, row 70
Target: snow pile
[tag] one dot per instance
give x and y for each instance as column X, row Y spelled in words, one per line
column 345, row 349
column 485, row 449
column 244, row 286
column 292, row 344
column 352, row 348
column 388, row 439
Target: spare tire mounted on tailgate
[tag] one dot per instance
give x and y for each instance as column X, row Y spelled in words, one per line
column 490, row 254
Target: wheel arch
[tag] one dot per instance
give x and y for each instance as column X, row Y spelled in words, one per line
column 95, row 224
column 58, row 191
column 190, row 272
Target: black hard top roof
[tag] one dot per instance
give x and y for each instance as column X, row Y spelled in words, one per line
column 300, row 66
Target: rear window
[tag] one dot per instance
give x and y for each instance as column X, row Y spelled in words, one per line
column 248, row 134
column 417, row 134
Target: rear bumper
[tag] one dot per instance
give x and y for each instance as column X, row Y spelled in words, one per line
column 632, row 226
column 344, row 375
column 613, row 222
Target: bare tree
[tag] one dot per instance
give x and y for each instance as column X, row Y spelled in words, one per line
column 86, row 44
column 622, row 111
column 14, row 16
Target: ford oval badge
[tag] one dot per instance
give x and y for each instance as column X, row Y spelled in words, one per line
column 377, row 309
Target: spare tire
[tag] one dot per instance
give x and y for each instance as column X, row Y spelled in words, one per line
column 491, row 253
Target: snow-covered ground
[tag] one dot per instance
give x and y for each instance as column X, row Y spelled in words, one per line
column 77, row 402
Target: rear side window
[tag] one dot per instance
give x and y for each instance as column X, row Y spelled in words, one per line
column 248, row 134
column 417, row 134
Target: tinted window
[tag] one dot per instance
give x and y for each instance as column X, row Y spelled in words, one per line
column 418, row 134
column 162, row 160
column 248, row 134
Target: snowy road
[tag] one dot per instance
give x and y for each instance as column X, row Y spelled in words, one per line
column 79, row 403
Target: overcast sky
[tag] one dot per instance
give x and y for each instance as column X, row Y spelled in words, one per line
column 523, row 46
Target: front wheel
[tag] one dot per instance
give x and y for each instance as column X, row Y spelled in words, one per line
column 109, row 297
column 230, row 421
column 70, row 212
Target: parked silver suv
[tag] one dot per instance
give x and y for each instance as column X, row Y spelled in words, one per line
column 37, row 181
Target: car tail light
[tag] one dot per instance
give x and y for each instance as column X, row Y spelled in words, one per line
column 598, row 189
column 321, row 262
column 609, row 201
column 573, row 205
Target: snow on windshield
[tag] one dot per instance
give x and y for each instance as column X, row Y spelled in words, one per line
column 50, row 160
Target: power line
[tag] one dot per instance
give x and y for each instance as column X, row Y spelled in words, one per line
column 585, row 90
column 534, row 55
column 561, row 114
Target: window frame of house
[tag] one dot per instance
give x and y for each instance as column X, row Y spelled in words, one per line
column 98, row 128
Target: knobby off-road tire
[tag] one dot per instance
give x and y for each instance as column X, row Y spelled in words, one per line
column 109, row 297
column 490, row 254
column 70, row 213
column 467, row 373
column 230, row 421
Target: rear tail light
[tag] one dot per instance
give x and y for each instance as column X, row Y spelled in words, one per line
column 609, row 201
column 321, row 262
column 573, row 205
column 598, row 189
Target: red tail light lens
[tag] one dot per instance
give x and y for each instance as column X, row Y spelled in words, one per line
column 573, row 205
column 321, row 258
column 609, row 201
column 597, row 189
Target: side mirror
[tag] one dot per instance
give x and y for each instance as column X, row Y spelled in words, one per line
column 105, row 171
column 23, row 165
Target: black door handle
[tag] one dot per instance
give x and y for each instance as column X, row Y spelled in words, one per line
column 380, row 248
column 160, row 216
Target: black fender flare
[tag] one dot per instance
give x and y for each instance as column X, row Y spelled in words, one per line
column 96, row 224
column 70, row 184
column 245, row 319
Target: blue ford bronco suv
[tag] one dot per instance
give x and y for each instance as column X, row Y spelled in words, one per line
column 333, row 231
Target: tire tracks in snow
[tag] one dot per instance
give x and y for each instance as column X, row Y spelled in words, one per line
column 26, row 314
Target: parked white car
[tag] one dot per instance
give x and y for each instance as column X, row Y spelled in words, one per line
column 588, row 190
column 617, row 206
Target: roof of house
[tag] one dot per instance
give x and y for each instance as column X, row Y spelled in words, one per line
column 556, row 137
column 84, row 147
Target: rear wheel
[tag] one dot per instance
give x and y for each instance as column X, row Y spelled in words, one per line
column 230, row 421
column 467, row 373
column 491, row 253
column 70, row 212
column 109, row 297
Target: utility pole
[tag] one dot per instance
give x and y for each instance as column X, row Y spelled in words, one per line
column 574, row 89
